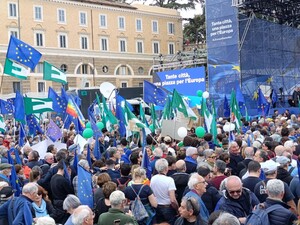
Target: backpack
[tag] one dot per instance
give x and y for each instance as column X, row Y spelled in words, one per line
column 260, row 216
column 121, row 187
column 138, row 209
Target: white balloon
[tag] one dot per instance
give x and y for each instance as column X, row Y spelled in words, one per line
column 205, row 94
column 232, row 126
column 182, row 132
column 228, row 127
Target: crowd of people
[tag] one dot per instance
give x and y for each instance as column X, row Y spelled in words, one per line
column 200, row 181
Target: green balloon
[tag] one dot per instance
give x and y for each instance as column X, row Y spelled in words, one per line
column 199, row 93
column 87, row 133
column 180, row 144
column 200, row 132
column 151, row 127
column 88, row 125
column 100, row 125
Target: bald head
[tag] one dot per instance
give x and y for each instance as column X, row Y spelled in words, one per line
column 180, row 166
column 279, row 150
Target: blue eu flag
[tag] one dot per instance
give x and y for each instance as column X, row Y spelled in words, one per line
column 85, row 188
column 6, row 107
column 19, row 108
column 145, row 161
column 58, row 104
column 153, row 94
column 23, row 53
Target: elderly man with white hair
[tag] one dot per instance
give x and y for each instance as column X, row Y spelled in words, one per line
column 158, row 153
column 164, row 188
column 280, row 215
column 83, row 215
column 191, row 160
column 115, row 214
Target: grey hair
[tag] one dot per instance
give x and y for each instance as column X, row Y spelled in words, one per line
column 71, row 202
column 226, row 219
column 45, row 220
column 194, row 179
column 232, row 143
column 80, row 214
column 116, row 198
column 275, row 188
column 223, row 185
column 30, row 188
column 163, row 147
column 112, row 151
column 48, row 155
column 161, row 165
column 158, row 152
column 84, row 163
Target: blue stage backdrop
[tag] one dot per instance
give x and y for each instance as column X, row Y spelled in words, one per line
column 222, row 47
column 186, row 81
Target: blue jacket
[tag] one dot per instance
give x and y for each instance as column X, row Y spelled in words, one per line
column 17, row 210
column 204, row 214
column 233, row 207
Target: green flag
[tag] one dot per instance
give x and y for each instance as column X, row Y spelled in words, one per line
column 167, row 111
column 2, row 125
column 37, row 105
column 54, row 74
column 132, row 118
column 235, row 112
column 108, row 117
column 15, row 70
column 177, row 103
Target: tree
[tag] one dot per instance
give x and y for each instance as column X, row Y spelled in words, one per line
column 195, row 30
column 173, row 4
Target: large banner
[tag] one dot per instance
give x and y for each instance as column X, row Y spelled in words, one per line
column 185, row 81
column 222, row 34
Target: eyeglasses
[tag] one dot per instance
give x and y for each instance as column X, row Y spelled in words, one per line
column 212, row 157
column 237, row 192
column 39, row 193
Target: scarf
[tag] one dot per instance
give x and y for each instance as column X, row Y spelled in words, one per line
column 40, row 211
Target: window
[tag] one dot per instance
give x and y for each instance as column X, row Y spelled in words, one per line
column 82, row 18
column 12, row 10
column 16, row 86
column 104, row 44
column 14, row 32
column 155, row 26
column 139, row 47
column 84, row 42
column 39, row 68
column 122, row 46
column 123, row 84
column 39, row 39
column 61, row 16
column 121, row 23
column 62, row 40
column 171, row 48
column 102, row 21
column 64, row 68
column 138, row 25
column 155, row 46
column 141, row 70
column 84, row 69
column 171, row 28
column 38, row 13
column 41, row 86
column 123, row 70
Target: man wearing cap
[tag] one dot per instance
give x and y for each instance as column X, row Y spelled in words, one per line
column 270, row 170
column 191, row 159
column 6, row 192
column 5, row 171
column 282, row 172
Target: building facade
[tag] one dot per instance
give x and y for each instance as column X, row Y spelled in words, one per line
column 93, row 41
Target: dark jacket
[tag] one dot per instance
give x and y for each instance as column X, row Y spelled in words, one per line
column 242, row 165
column 284, row 175
column 235, row 207
column 234, row 160
column 281, row 216
column 211, row 198
column 181, row 221
column 180, row 180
